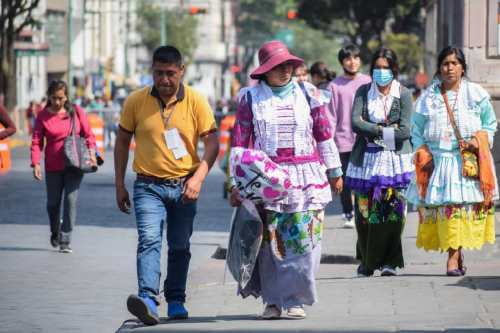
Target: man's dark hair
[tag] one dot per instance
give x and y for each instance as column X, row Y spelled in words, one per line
column 348, row 51
column 168, row 55
column 391, row 58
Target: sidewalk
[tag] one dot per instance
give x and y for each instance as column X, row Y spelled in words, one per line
column 421, row 299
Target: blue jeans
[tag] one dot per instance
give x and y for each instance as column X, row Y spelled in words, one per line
column 157, row 203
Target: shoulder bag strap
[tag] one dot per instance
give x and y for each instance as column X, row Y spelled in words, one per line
column 451, row 117
column 308, row 98
column 72, row 125
column 76, row 112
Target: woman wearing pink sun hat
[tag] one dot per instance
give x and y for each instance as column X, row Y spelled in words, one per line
column 287, row 121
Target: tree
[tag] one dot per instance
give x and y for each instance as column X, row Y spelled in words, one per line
column 409, row 50
column 259, row 21
column 15, row 15
column 312, row 45
column 180, row 29
column 362, row 22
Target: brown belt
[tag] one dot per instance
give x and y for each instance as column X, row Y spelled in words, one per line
column 166, row 181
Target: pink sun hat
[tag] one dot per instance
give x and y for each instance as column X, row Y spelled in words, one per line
column 271, row 54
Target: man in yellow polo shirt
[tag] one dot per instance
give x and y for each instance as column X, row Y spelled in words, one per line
column 166, row 121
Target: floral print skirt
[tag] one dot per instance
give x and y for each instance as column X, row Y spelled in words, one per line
column 454, row 226
column 288, row 260
column 379, row 224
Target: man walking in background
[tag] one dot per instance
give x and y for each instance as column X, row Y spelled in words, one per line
column 343, row 90
column 166, row 121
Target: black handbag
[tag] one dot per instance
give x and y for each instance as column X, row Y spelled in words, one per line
column 77, row 153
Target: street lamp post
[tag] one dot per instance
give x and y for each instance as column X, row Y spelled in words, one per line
column 69, row 37
column 163, row 28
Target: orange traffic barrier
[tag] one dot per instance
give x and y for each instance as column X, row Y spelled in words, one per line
column 97, row 126
column 5, row 162
column 226, row 125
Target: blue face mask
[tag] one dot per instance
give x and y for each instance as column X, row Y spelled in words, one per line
column 382, row 77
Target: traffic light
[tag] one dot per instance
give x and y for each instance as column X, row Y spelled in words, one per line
column 235, row 69
column 195, row 10
column 292, row 14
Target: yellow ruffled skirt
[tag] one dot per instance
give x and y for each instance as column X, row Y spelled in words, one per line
column 454, row 226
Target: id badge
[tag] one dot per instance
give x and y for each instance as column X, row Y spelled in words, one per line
column 175, row 143
column 445, row 142
column 389, row 138
column 179, row 152
column 172, row 138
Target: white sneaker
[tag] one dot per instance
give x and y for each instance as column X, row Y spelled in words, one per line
column 349, row 224
column 271, row 312
column 296, row 312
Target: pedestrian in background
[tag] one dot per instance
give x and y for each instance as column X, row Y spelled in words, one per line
column 343, row 89
column 166, row 120
column 301, row 73
column 321, row 75
column 52, row 126
column 285, row 120
column 455, row 182
column 31, row 112
column 9, row 126
column 380, row 166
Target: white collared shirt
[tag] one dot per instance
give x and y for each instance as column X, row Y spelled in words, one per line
column 379, row 105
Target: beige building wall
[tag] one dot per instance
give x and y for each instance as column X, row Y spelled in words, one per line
column 472, row 25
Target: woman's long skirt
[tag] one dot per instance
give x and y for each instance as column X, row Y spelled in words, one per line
column 379, row 224
column 288, row 260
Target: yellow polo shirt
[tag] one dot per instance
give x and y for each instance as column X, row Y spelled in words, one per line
column 190, row 114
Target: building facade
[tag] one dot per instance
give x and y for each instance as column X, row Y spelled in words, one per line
column 210, row 71
column 474, row 26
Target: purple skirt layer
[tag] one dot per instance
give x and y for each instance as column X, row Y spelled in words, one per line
column 379, row 182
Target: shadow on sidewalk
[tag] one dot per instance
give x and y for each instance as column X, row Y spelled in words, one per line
column 182, row 326
column 24, row 249
column 479, row 282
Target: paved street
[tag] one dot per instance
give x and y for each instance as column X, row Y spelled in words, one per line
column 44, row 291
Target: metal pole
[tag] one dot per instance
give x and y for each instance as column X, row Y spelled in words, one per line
column 163, row 28
column 69, row 38
column 127, row 24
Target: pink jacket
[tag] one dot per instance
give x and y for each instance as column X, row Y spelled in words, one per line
column 53, row 129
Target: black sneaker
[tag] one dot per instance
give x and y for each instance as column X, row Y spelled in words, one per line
column 65, row 248
column 363, row 272
column 54, row 240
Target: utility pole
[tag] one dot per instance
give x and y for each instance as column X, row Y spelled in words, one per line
column 163, row 28
column 127, row 29
column 69, row 38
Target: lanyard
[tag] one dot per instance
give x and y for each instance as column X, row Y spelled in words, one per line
column 386, row 108
column 167, row 118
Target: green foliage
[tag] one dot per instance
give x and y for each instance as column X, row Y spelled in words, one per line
column 259, row 21
column 180, row 29
column 361, row 22
column 14, row 17
column 312, row 45
column 409, row 50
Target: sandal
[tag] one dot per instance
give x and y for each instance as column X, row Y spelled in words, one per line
column 461, row 265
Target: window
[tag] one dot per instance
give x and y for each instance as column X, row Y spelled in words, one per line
column 493, row 28
column 55, row 32
column 498, row 27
